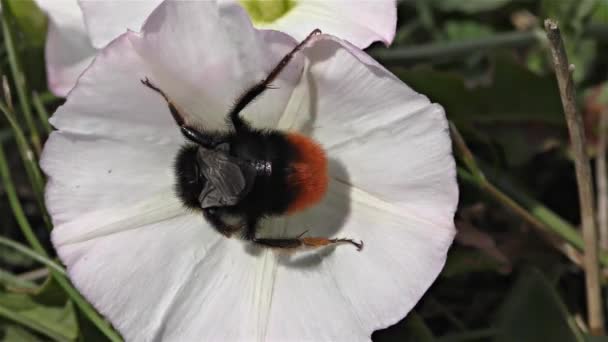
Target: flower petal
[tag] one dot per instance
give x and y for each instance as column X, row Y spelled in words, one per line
column 343, row 294
column 135, row 277
column 360, row 24
column 68, row 49
column 367, row 119
column 393, row 187
column 212, row 82
column 158, row 273
column 90, row 173
column 107, row 19
column 109, row 100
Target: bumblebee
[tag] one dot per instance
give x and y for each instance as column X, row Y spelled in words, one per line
column 247, row 173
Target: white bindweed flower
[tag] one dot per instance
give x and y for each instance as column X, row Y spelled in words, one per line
column 79, row 28
column 160, row 272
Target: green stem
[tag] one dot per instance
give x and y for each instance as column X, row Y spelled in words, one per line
column 528, row 209
column 505, row 192
column 19, row 78
column 43, row 114
column 32, row 254
column 11, row 193
column 445, row 50
column 84, row 306
column 31, row 167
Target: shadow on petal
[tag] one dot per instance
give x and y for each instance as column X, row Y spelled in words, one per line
column 326, row 219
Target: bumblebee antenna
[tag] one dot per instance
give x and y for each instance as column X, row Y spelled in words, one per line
column 259, row 88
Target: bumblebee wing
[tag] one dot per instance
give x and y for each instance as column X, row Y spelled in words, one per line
column 226, row 184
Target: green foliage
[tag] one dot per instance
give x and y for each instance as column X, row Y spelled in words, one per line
column 571, row 15
column 469, row 6
column 465, row 261
column 515, row 94
column 533, row 297
column 46, row 311
column 497, row 86
column 456, row 30
column 30, row 21
column 12, row 332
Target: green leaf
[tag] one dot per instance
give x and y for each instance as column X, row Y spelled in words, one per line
column 47, row 312
column 463, row 261
column 466, row 30
column 30, row 20
column 468, row 6
column 533, row 311
column 571, row 15
column 514, row 95
column 12, row 332
column 600, row 13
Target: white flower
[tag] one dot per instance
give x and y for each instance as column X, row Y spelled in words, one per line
column 160, row 272
column 78, row 28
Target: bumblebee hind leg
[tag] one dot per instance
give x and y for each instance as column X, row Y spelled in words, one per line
column 305, row 242
column 298, row 242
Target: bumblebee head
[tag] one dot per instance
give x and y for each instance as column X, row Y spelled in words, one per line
column 189, row 183
column 307, row 175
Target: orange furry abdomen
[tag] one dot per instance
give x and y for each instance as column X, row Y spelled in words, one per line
column 309, row 172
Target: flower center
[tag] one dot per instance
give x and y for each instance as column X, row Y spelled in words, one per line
column 267, row 11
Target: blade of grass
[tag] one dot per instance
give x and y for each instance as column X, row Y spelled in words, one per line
column 84, row 306
column 43, row 115
column 31, row 166
column 43, row 259
column 19, row 78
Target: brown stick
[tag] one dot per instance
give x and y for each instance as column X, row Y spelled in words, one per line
column 563, row 72
column 601, row 181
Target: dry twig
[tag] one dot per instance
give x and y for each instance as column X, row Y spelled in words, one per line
column 563, row 72
column 602, row 181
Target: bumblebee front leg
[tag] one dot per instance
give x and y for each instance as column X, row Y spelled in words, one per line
column 213, row 216
column 188, row 131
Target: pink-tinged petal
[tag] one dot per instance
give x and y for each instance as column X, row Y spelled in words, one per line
column 206, row 78
column 392, row 141
column 159, row 273
column 92, row 173
column 68, row 50
column 360, row 22
column 393, row 187
column 110, row 101
column 342, row 294
column 107, row 19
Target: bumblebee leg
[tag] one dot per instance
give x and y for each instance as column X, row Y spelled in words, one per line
column 177, row 116
column 188, row 131
column 259, row 88
column 212, row 215
column 303, row 242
